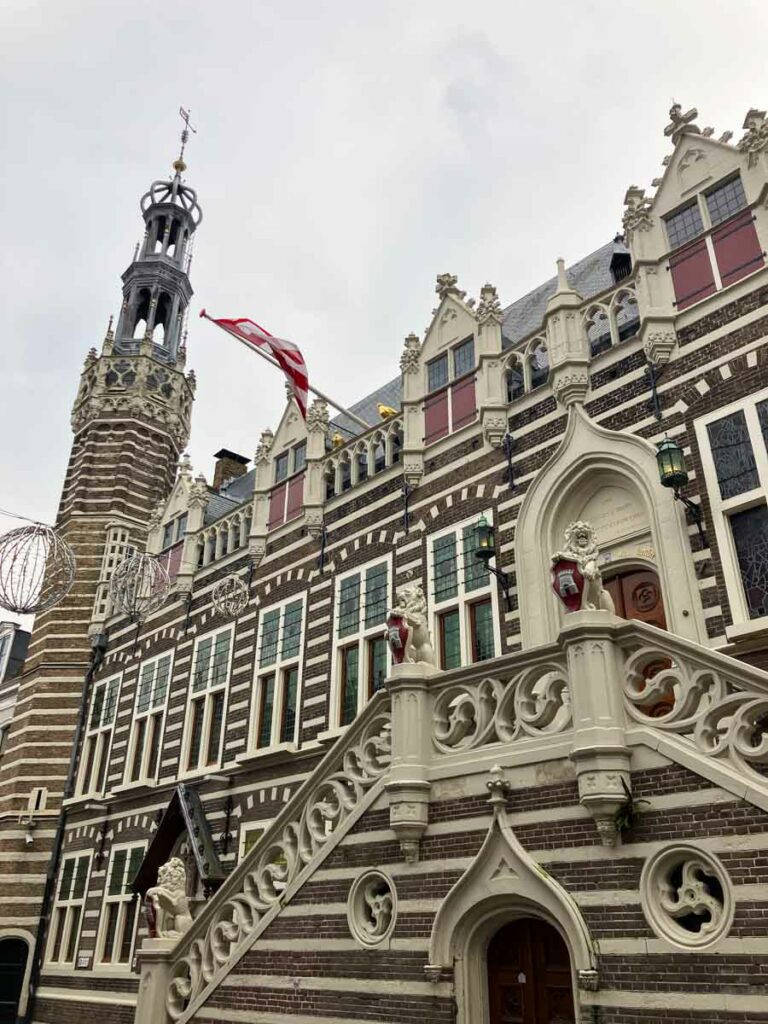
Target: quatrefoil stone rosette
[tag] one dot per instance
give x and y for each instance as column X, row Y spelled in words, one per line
column 687, row 896
column 372, row 908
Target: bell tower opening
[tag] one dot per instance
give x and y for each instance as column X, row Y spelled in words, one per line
column 529, row 975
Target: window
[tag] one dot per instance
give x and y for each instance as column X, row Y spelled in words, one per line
column 437, row 373
column 68, row 911
column 116, row 550
column 734, row 451
column 205, row 716
column 249, row 836
column 276, row 697
column 281, row 467
column 684, row 225
column 464, row 358
column 539, row 366
column 463, row 599
column 515, row 381
column 299, row 456
column 98, row 736
column 121, row 906
column 725, row 200
column 146, row 730
column 361, row 654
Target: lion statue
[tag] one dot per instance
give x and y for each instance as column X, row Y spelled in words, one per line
column 168, row 914
column 581, row 548
column 410, row 611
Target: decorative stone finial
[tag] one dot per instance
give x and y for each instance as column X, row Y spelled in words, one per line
column 755, row 141
column 489, row 308
column 156, row 515
column 185, row 467
column 289, row 391
column 446, row 285
column 725, row 137
column 562, row 280
column 408, row 628
column 576, row 576
column 92, row 356
column 264, row 446
column 317, row 417
column 198, row 492
column 409, row 360
column 680, row 123
column 498, row 786
column 637, row 215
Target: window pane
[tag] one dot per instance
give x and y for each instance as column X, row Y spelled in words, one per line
column 128, row 922
column 138, row 755
column 292, row 630
column 684, row 225
column 67, row 874
column 81, row 873
column 251, row 838
column 281, row 467
column 110, row 704
column 265, row 711
column 217, row 720
column 58, row 934
column 476, row 573
column 269, row 634
column 376, row 595
column 349, row 605
column 515, row 382
column 464, row 358
column 202, row 663
column 167, row 535
column 134, row 863
column 145, row 687
column 450, row 640
column 750, row 537
column 88, row 773
column 732, row 455
column 181, row 526
column 539, row 364
column 482, row 631
column 101, row 763
column 446, row 576
column 288, row 717
column 74, row 918
column 762, row 416
column 349, row 683
column 112, row 910
column 198, row 709
column 155, row 728
column 437, row 373
column 724, row 201
column 98, row 703
column 299, row 456
column 378, row 663
column 221, row 659
column 117, row 875
column 161, row 681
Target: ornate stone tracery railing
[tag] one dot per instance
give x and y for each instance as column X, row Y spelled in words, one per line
column 522, row 702
column 276, row 864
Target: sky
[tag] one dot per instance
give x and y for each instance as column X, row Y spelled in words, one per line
column 346, row 153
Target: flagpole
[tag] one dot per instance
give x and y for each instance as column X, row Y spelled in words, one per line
column 269, row 359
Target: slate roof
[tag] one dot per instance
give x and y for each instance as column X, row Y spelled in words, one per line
column 219, row 504
column 390, row 394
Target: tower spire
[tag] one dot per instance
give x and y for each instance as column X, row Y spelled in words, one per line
column 178, row 165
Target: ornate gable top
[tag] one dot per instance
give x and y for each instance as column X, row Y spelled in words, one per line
column 446, row 285
column 680, row 123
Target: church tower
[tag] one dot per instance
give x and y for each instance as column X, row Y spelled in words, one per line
column 131, row 421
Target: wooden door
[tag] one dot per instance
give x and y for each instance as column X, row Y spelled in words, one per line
column 13, row 962
column 529, row 975
column 637, row 595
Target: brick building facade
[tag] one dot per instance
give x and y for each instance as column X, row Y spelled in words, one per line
column 564, row 819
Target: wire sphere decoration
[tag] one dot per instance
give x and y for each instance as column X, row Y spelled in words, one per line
column 230, row 596
column 139, row 586
column 37, row 569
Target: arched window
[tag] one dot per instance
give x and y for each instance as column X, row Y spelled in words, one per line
column 173, row 238
column 157, row 235
column 598, row 327
column 538, row 362
column 379, row 454
column 330, row 481
column 625, row 314
column 515, row 379
column 141, row 315
column 161, row 328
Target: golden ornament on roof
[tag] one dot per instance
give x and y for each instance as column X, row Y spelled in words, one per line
column 385, row 411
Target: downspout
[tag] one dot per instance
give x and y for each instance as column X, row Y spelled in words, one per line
column 98, row 649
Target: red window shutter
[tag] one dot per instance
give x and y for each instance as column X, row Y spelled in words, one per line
column 171, row 559
column 436, row 417
column 737, row 248
column 276, row 507
column 692, row 274
column 463, row 405
column 295, row 497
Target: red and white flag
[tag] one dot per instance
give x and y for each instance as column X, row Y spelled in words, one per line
column 285, row 353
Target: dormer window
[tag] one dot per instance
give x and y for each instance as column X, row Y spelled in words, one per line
column 299, row 456
column 725, row 200
column 450, row 403
column 437, row 373
column 684, row 225
column 464, row 358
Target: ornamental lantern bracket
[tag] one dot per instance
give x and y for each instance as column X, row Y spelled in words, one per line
column 673, row 474
column 485, row 550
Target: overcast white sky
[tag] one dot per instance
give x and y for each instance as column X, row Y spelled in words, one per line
column 347, row 152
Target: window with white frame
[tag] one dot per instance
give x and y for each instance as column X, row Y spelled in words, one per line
column 463, row 599
column 68, row 910
column 249, row 836
column 116, row 550
column 278, row 673
column 733, row 442
column 360, row 651
column 98, row 737
column 121, row 906
column 148, row 719
column 208, row 694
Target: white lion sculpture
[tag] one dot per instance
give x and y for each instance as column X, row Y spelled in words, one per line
column 410, row 608
column 167, row 906
column 581, row 548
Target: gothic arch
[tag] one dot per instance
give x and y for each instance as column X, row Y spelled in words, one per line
column 590, row 456
column 20, row 934
column 502, row 883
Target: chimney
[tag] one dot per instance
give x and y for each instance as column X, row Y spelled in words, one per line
column 228, row 466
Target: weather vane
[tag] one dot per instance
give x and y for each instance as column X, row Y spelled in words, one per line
column 184, row 115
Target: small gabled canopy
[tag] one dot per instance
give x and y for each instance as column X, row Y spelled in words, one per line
column 183, row 813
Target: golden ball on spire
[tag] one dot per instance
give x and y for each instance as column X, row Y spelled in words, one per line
column 179, row 166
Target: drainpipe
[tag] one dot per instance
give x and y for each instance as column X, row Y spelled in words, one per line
column 98, row 649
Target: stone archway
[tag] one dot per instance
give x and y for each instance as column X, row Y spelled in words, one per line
column 529, row 975
column 14, row 971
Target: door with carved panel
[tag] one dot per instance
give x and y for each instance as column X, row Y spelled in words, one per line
column 637, row 595
column 529, row 975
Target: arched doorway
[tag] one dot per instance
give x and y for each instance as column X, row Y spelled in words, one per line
column 529, row 975
column 636, row 594
column 13, row 964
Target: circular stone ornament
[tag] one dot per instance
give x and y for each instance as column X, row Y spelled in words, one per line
column 37, row 569
column 372, row 908
column 686, row 896
column 139, row 586
column 230, row 596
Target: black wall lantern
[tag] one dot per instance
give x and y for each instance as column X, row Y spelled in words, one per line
column 673, row 474
column 485, row 550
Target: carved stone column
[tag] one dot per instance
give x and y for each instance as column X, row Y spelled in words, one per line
column 257, row 541
column 599, row 750
column 314, row 481
column 490, row 389
column 413, row 414
column 409, row 787
column 567, row 343
column 154, row 964
column 196, row 506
